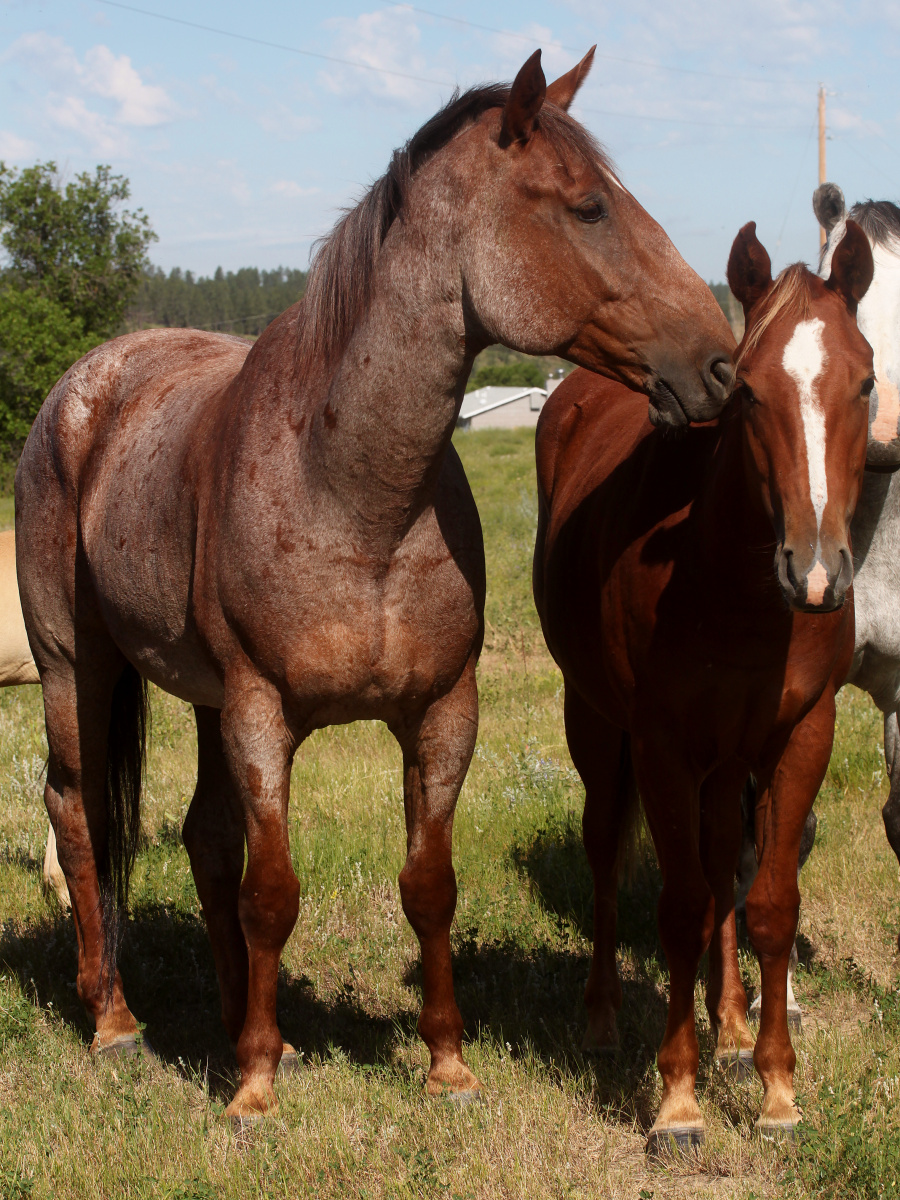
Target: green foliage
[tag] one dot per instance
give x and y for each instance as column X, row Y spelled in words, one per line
column 514, row 374
column 40, row 341
column 242, row 302
column 70, row 243
column 73, row 262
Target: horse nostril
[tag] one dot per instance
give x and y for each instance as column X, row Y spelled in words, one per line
column 720, row 373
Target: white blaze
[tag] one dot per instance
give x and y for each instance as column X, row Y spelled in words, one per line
column 804, row 359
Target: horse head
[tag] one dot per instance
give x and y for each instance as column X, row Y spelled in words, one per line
column 561, row 259
column 804, row 379
column 879, row 310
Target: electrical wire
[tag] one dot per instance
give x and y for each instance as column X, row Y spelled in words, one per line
column 145, row 12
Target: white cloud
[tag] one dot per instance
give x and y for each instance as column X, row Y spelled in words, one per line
column 127, row 101
column 292, row 190
column 387, row 40
column 116, row 79
column 14, row 148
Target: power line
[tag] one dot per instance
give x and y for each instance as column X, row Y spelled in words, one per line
column 243, row 37
column 633, row 62
column 605, row 112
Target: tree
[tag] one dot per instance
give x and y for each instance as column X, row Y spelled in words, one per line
column 74, row 259
column 39, row 341
column 69, row 242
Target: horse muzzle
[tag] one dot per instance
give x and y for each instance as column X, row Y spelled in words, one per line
column 679, row 395
column 819, row 584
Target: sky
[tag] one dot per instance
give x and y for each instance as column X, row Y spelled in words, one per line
column 245, row 128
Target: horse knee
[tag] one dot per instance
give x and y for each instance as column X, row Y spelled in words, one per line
column 686, row 921
column 772, row 924
column 428, row 894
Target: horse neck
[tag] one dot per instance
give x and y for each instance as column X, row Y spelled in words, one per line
column 385, row 422
column 738, row 530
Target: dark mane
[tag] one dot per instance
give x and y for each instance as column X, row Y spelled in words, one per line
column 880, row 220
column 343, row 268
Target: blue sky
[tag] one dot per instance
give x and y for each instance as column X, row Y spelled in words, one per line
column 242, row 153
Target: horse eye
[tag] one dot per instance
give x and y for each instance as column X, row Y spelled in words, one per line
column 748, row 395
column 590, row 213
column 866, row 389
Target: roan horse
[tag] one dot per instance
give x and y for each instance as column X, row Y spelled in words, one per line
column 875, row 529
column 16, row 667
column 285, row 538
column 691, row 662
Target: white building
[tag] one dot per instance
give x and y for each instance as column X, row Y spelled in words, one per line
column 503, row 407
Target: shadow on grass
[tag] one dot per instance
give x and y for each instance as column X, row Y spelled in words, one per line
column 170, row 982
column 521, row 990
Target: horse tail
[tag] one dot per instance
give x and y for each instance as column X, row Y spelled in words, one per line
column 129, row 721
column 633, row 835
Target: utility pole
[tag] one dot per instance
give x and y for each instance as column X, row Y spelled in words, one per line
column 822, row 171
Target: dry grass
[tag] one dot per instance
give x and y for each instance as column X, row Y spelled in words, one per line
column 355, row 1122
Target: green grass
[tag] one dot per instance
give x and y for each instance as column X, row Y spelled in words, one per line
column 355, row 1123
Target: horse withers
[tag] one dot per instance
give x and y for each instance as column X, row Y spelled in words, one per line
column 283, row 535
column 693, row 597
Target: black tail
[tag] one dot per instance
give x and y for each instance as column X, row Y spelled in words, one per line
column 129, row 721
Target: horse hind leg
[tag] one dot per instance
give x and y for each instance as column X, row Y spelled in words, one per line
column 88, row 711
column 437, row 748
column 602, row 756
column 214, row 838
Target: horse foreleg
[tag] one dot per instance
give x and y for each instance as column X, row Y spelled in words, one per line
column 773, row 903
column 437, row 748
column 258, row 750
column 720, row 844
column 602, row 756
column 686, row 916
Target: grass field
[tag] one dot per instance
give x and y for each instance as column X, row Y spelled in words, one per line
column 356, row 1123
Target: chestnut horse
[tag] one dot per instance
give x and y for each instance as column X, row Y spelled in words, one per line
column 283, row 536
column 875, row 529
column 688, row 659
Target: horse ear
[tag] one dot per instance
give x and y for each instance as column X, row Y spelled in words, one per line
column 828, row 205
column 852, row 266
column 526, row 99
column 749, row 268
column 562, row 91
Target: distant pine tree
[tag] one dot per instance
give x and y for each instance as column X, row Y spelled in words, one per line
column 523, row 374
column 242, row 301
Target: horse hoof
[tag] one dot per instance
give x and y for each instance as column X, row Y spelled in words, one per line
column 123, row 1047
column 739, row 1065
column 290, row 1064
column 779, row 1131
column 464, row 1099
column 606, row 1053
column 666, row 1143
column 795, row 1020
column 243, row 1126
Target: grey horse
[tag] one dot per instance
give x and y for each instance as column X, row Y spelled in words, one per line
column 875, row 530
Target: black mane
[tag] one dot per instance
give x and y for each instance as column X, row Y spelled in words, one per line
column 343, row 268
column 880, row 220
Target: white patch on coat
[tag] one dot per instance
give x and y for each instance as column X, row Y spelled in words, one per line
column 816, row 583
column 804, row 359
column 879, row 323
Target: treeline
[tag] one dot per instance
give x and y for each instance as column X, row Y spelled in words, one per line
column 242, row 302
